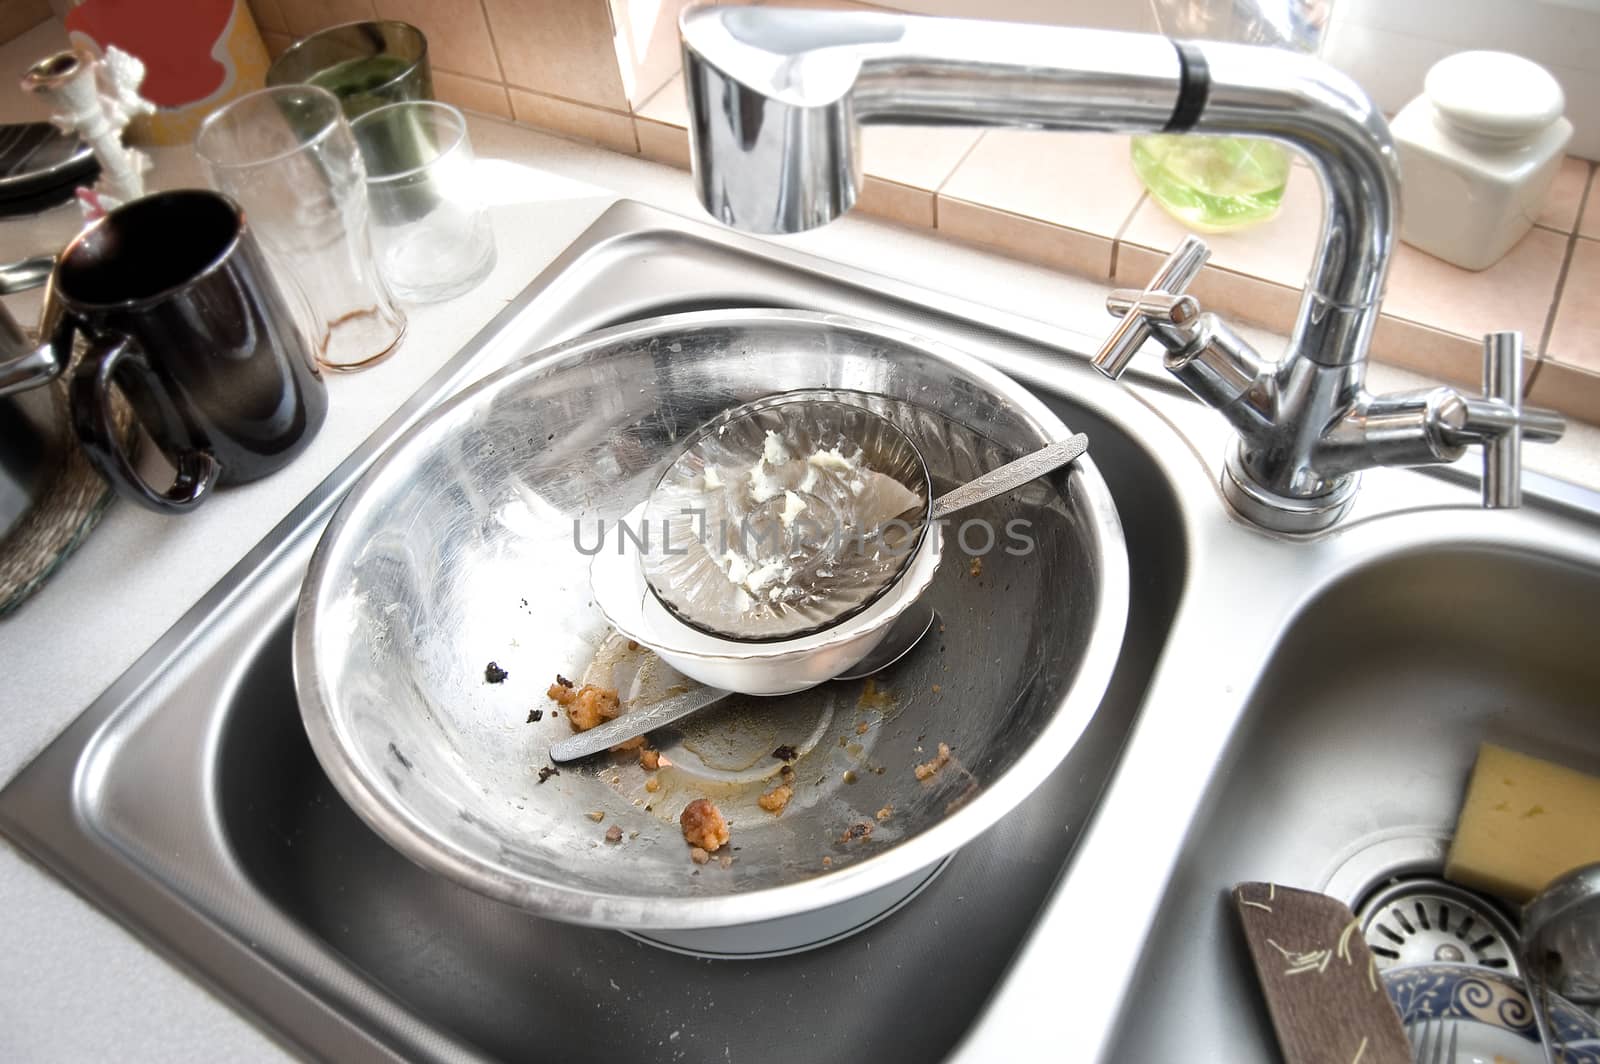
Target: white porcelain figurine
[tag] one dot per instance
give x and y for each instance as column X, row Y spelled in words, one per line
column 96, row 99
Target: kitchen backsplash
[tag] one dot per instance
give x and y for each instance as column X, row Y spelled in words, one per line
column 554, row 63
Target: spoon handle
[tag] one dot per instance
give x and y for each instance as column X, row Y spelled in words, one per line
column 1012, row 475
column 632, row 725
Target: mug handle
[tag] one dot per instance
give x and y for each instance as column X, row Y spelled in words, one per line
column 92, row 420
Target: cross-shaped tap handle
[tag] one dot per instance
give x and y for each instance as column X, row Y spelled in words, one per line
column 1161, row 300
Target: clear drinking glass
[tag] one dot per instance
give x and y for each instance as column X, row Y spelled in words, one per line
column 365, row 64
column 429, row 222
column 288, row 157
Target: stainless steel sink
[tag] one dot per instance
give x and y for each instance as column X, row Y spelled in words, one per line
column 1303, row 710
column 187, row 800
column 1349, row 762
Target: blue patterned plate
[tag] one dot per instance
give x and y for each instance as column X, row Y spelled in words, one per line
column 1494, row 1020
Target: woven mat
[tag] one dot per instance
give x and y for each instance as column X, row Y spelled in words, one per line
column 72, row 503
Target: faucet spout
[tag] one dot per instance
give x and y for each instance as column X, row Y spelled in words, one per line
column 776, row 99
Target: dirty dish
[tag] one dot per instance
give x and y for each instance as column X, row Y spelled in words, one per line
column 469, row 541
column 1489, row 1013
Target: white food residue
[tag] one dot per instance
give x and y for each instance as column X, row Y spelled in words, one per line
column 793, row 506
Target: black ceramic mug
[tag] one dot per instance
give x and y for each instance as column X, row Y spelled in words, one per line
column 182, row 313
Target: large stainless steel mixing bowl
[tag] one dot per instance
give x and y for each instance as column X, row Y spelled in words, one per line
column 458, row 547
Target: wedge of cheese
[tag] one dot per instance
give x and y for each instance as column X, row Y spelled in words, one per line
column 1525, row 822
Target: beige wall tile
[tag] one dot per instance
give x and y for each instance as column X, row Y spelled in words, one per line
column 458, row 34
column 1514, row 293
column 896, row 202
column 1229, row 293
column 647, row 45
column 1279, row 250
column 1080, row 181
column 662, row 143
column 19, row 16
column 1573, row 390
column 1576, row 337
column 562, row 48
column 471, row 94
column 269, row 16
column 1024, row 238
column 277, row 43
column 1446, row 356
column 920, row 157
column 667, row 105
column 1566, row 193
column 605, row 128
column 305, row 17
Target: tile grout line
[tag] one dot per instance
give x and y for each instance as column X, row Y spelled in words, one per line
column 938, row 189
column 494, row 46
column 1116, row 240
column 1548, row 332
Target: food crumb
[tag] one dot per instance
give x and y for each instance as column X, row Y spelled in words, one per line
column 613, row 834
column 774, row 800
column 928, row 768
column 785, row 753
column 862, row 728
column 885, row 813
column 587, row 706
column 860, row 830
column 652, row 785
column 633, row 644
column 975, row 567
column 615, row 780
column 937, row 688
column 628, row 744
column 535, row 716
column 493, row 673
column 726, row 860
column 548, row 771
column 703, row 825
column 698, row 856
column 649, row 758
column 827, row 862
column 873, row 698
column 597, row 815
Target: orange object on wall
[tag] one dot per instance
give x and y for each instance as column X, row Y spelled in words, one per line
column 198, row 54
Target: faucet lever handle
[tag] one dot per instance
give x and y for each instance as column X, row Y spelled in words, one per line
column 1500, row 420
column 1161, row 301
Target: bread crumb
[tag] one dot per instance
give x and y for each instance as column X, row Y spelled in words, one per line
column 652, row 785
column 596, row 816
column 827, row 862
column 774, row 800
column 928, row 768
column 937, row 688
column 863, row 728
column 698, row 856
column 649, row 759
column 860, row 830
column 586, row 706
column 613, row 834
column 885, row 813
column 703, row 825
column 975, row 567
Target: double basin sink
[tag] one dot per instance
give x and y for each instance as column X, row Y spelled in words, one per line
column 1304, row 712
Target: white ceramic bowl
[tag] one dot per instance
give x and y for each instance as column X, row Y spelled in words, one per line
column 777, row 668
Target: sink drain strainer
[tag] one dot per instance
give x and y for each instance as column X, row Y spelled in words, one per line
column 1424, row 920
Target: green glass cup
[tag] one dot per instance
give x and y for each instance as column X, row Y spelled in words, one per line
column 367, row 65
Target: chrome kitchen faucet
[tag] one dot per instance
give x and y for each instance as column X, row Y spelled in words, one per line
column 776, row 98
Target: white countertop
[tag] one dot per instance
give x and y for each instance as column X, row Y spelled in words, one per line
column 74, row 985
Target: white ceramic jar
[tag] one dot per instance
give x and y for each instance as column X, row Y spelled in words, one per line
column 1478, row 151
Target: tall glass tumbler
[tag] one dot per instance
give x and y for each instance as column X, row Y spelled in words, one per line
column 365, row 64
column 288, row 157
column 429, row 221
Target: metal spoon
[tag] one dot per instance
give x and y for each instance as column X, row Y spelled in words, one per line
column 904, row 634
column 1561, row 949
